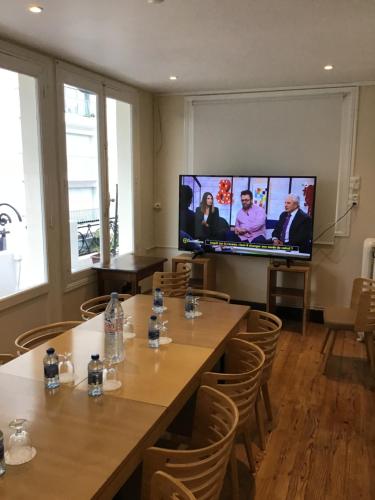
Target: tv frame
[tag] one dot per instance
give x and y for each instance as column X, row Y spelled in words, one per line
column 272, row 255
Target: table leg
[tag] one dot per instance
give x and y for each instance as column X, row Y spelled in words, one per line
column 134, row 285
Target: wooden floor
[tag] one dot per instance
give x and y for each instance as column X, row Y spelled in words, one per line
column 322, row 441
column 322, row 445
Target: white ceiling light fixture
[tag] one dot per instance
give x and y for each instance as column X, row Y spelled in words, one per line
column 328, row 67
column 173, row 77
column 155, row 1
column 36, row 9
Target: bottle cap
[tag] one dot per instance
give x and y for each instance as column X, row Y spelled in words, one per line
column 157, row 289
column 114, row 295
column 153, row 317
column 51, row 350
column 94, row 357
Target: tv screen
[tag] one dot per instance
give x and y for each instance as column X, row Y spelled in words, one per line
column 268, row 216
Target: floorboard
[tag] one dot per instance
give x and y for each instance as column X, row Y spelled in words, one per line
column 322, row 441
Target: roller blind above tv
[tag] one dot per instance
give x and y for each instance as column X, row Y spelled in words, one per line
column 307, row 132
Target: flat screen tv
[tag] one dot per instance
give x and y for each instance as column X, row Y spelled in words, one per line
column 268, row 216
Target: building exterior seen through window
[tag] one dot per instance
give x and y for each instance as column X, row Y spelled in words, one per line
column 22, row 235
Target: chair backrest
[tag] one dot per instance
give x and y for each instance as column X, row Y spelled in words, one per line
column 210, row 295
column 244, row 363
column 365, row 317
column 360, row 285
column 202, row 467
column 166, row 487
column 4, row 358
column 263, row 329
column 39, row 335
column 173, row 284
column 97, row 305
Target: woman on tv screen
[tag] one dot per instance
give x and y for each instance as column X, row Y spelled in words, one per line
column 206, row 218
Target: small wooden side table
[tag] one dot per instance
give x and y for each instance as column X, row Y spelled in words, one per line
column 207, row 271
column 126, row 268
column 274, row 291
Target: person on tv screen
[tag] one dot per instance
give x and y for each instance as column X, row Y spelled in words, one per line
column 294, row 226
column 187, row 216
column 206, row 218
column 250, row 221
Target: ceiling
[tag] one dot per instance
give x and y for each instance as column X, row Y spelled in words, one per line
column 209, row 44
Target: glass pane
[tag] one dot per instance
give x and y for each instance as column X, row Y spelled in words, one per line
column 22, row 239
column 81, row 126
column 120, row 176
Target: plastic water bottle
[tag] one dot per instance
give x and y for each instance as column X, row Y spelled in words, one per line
column 189, row 305
column 95, row 376
column 113, row 329
column 153, row 332
column 2, row 460
column 51, row 369
column 158, row 305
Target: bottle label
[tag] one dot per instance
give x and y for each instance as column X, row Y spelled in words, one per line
column 50, row 371
column 189, row 307
column 1, row 450
column 153, row 334
column 113, row 326
column 95, row 378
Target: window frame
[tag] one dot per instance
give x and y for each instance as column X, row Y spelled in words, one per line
column 26, row 62
column 103, row 88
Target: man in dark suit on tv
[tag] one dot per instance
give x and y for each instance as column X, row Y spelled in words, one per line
column 294, row 226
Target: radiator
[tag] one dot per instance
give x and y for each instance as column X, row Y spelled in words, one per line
column 368, row 258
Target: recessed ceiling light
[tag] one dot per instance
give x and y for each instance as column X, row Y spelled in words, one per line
column 328, row 67
column 155, row 1
column 173, row 77
column 36, row 9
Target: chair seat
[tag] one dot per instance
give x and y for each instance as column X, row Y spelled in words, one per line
column 339, row 318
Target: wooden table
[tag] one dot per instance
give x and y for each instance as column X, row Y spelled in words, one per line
column 87, row 448
column 126, row 268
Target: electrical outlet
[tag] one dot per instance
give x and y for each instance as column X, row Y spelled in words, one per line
column 354, row 185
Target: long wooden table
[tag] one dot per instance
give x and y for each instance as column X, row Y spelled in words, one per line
column 87, row 448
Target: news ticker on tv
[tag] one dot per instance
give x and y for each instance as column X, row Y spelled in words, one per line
column 243, row 244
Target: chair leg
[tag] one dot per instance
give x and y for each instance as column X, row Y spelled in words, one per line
column 325, row 341
column 369, row 341
column 234, row 474
column 260, row 423
column 330, row 344
column 249, row 450
column 267, row 401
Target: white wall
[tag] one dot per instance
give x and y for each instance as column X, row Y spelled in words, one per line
column 333, row 267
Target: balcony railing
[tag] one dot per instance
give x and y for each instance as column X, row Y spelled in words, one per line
column 89, row 236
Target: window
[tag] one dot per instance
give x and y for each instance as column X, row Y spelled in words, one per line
column 22, row 234
column 97, row 148
column 81, row 130
column 120, row 176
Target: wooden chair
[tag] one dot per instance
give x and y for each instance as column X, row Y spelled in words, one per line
column 358, row 317
column 243, row 368
column 39, row 335
column 173, row 284
column 166, row 487
column 4, row 358
column 201, row 468
column 263, row 329
column 97, row 305
column 210, row 295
